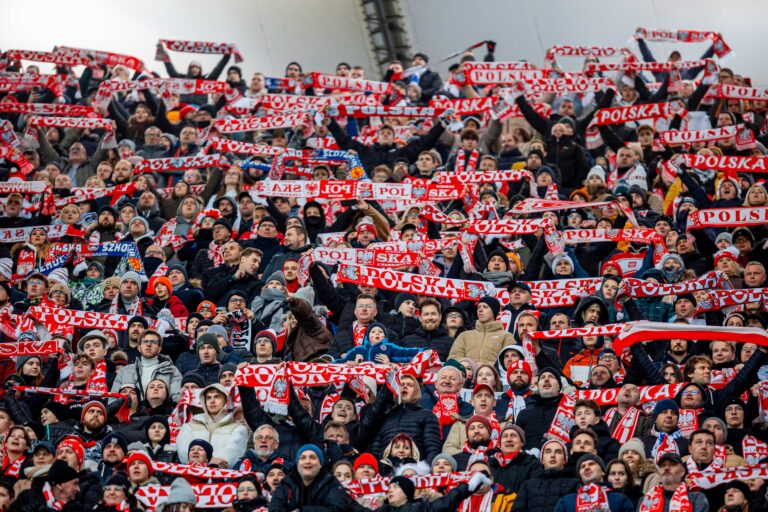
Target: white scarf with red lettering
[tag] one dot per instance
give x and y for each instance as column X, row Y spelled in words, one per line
column 621, row 115
column 654, row 500
column 640, row 288
column 591, row 498
column 753, row 450
column 199, row 47
column 464, row 165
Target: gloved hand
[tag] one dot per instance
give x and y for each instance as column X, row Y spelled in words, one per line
column 478, row 480
column 491, row 46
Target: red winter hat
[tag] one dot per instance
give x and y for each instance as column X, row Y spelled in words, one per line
column 91, row 404
column 366, row 226
column 159, row 279
column 486, row 387
column 728, row 252
column 74, row 444
column 366, row 459
column 520, row 364
column 481, row 419
column 141, row 456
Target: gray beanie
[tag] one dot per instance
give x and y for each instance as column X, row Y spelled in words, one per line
column 97, row 334
column 143, row 221
column 635, row 445
column 561, row 257
column 130, row 276
column 277, row 276
column 724, row 236
column 307, row 294
column 446, row 457
column 181, row 492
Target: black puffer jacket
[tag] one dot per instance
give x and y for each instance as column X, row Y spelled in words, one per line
column 376, row 154
column 516, row 472
column 536, row 419
column 542, row 494
column 438, row 340
column 419, row 423
column 325, row 493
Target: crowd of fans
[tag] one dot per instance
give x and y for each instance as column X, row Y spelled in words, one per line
column 154, row 400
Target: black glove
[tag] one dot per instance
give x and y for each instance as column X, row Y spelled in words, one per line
column 491, row 45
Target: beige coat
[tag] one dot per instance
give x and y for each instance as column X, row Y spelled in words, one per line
column 482, row 344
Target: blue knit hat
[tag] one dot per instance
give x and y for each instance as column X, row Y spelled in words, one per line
column 665, row 405
column 313, row 448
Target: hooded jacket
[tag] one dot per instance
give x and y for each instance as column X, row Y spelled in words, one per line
column 482, row 344
column 228, row 438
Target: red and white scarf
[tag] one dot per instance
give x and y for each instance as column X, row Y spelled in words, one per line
column 216, row 253
column 135, row 308
column 684, row 36
column 12, row 469
column 56, row 109
column 199, row 47
column 107, row 58
column 688, row 421
column 516, row 404
column 563, row 422
column 358, row 333
column 324, row 81
column 253, row 123
column 446, row 409
column 180, row 164
column 625, row 428
column 621, row 115
column 727, row 164
column 219, row 495
column 464, row 165
column 478, row 503
column 650, row 331
column 753, row 450
column 640, row 288
column 737, row 92
column 50, row 500
column 591, row 498
column 710, row 479
column 654, row 500
column 91, row 123
column 29, row 348
column 678, row 137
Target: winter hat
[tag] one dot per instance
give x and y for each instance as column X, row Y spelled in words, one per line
column 193, row 378
column 634, row 444
column 61, row 472
column 139, row 218
column 59, row 275
column 22, row 360
column 270, row 335
column 739, row 485
column 116, row 438
column 208, row 339
column 366, row 459
column 402, row 297
column 90, row 405
column 666, row 404
column 121, row 480
column 502, row 255
column 218, row 330
column 492, row 303
column 671, row 256
column 520, row 364
column 180, row 268
column 94, row 334
column 229, row 367
column 478, row 419
column 305, row 293
column 277, row 276
column 137, row 318
column 561, row 257
column 553, row 371
column 724, row 236
column 406, row 485
column 111, row 281
column 686, row 296
column 546, row 169
column 130, row 276
column 159, row 279
column 366, row 225
column 565, row 448
column 598, row 171
column 221, row 221
column 512, row 426
column 587, row 457
column 74, row 444
column 446, row 457
column 61, row 411
column 453, row 363
column 317, row 451
column 181, row 492
column 729, row 252
column 6, row 268
column 205, row 445
column 371, row 326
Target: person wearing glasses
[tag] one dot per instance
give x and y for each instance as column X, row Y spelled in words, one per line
column 149, row 366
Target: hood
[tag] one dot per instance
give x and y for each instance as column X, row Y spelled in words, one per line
column 586, row 302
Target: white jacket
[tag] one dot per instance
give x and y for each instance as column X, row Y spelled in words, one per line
column 228, row 438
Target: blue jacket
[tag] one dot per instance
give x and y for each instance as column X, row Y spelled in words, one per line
column 396, row 353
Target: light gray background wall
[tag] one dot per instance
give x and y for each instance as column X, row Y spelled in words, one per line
column 319, row 33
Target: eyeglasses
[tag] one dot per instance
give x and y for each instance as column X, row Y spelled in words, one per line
column 692, row 392
column 150, row 342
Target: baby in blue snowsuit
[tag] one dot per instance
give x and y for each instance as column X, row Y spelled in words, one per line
column 376, row 348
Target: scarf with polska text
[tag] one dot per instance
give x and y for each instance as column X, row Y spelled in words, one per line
column 431, row 481
column 639, row 288
column 621, row 115
column 680, row 137
column 654, row 500
column 684, row 36
column 253, row 123
column 180, row 163
column 736, row 92
column 26, row 82
column 80, row 123
column 636, row 332
column 106, row 58
column 218, row 495
column 719, row 299
column 54, row 109
column 28, row 348
column 645, row 235
column 198, row 47
column 727, row 164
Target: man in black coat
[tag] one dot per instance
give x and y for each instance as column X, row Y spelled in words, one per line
column 429, row 81
column 430, row 334
column 538, row 414
column 514, row 466
column 384, row 151
column 64, row 488
column 556, row 481
column 309, row 486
